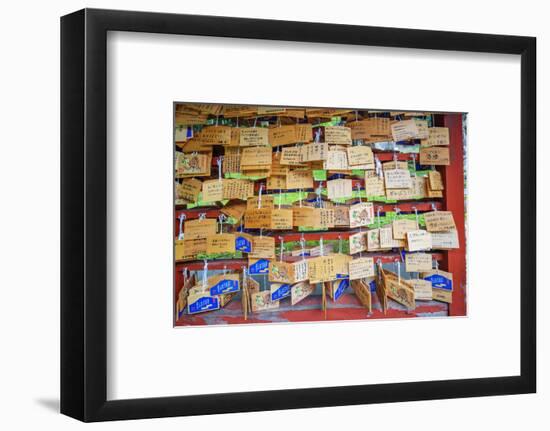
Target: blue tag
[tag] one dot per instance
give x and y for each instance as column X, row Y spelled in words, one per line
column 224, row 286
column 261, row 266
column 372, row 286
column 243, row 244
column 440, row 282
column 282, row 292
column 205, row 303
column 343, row 285
column 342, row 276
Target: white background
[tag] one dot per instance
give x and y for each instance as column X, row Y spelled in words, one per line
column 30, row 227
column 147, row 73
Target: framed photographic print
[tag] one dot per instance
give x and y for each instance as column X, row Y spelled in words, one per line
column 262, row 215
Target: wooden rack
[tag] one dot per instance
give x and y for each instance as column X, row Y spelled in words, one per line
column 453, row 261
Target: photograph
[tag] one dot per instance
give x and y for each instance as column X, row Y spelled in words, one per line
column 310, row 214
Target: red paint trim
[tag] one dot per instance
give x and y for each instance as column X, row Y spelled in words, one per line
column 194, row 213
column 237, row 264
column 453, row 177
column 421, row 206
column 178, row 284
column 383, row 156
column 318, row 315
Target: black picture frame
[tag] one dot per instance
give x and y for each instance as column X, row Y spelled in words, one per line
column 84, row 214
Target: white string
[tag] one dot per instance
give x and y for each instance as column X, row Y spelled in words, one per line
column 282, row 247
column 317, row 138
column 398, row 272
column 260, row 196
column 204, row 273
column 244, row 277
column 379, row 264
column 303, row 246
column 182, row 218
column 219, row 162
column 221, row 219
column 378, row 167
